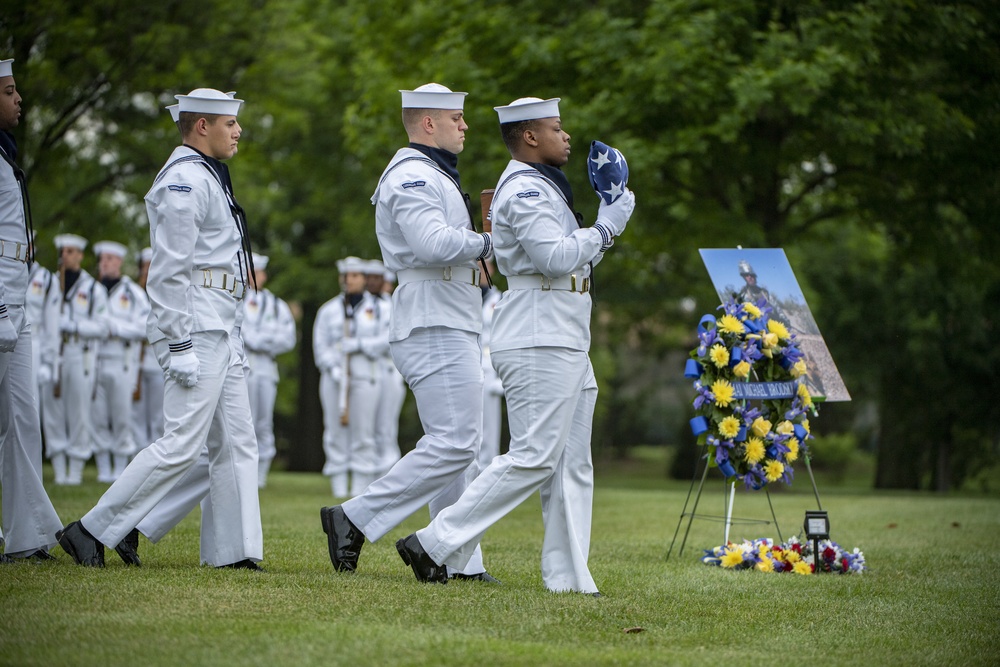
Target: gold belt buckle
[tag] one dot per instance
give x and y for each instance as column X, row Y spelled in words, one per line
column 586, row 285
column 572, row 282
column 446, row 273
column 206, row 277
column 546, row 283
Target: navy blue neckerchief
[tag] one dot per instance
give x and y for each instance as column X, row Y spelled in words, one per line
column 447, row 160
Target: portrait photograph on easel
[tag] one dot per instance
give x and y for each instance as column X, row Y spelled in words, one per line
column 743, row 274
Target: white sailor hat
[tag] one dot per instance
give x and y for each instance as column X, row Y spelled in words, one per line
column 146, row 255
column 260, row 261
column 373, row 266
column 389, row 276
column 175, row 109
column 528, row 108
column 70, row 241
column 209, row 100
column 5, row 68
column 351, row 265
column 110, row 248
column 433, row 96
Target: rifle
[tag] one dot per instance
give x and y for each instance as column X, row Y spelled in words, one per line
column 137, row 392
column 486, row 201
column 344, row 399
column 57, row 387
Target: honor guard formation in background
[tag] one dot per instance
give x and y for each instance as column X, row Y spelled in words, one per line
column 169, row 381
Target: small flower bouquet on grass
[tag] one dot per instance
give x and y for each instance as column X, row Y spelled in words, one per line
column 745, row 356
column 792, row 556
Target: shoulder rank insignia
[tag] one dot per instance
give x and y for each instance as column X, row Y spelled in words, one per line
column 414, row 184
column 179, row 188
column 528, row 193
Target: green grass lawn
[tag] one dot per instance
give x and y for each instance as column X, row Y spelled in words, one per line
column 931, row 596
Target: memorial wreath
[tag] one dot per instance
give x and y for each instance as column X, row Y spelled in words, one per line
column 748, row 358
column 792, row 556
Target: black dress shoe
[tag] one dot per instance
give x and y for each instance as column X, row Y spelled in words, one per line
column 128, row 548
column 482, row 576
column 81, row 545
column 5, row 559
column 424, row 568
column 41, row 556
column 343, row 538
column 245, row 564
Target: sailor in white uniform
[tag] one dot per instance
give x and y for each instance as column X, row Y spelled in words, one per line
column 67, row 406
column 393, row 389
column 268, row 330
column 117, row 363
column 492, row 386
column 348, row 344
column 29, row 521
column 424, row 226
column 41, row 306
column 539, row 346
column 198, row 276
column 147, row 399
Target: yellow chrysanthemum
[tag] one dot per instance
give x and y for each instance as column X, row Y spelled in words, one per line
column 760, row 427
column 765, row 565
column 719, row 356
column 732, row 557
column 802, row 567
column 798, row 369
column 793, row 450
column 752, row 310
column 804, row 395
column 723, row 392
column 729, row 324
column 784, row 428
column 729, row 427
column 778, row 329
column 742, row 369
column 790, row 556
column 773, row 471
column 754, row 451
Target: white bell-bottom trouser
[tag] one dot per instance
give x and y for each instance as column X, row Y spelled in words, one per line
column 262, row 388
column 351, row 447
column 492, row 416
column 442, row 368
column 390, row 404
column 67, row 419
column 192, row 490
column 112, row 406
column 550, row 393
column 215, row 411
column 30, row 522
column 147, row 412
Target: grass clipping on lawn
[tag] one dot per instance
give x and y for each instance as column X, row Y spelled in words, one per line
column 930, row 596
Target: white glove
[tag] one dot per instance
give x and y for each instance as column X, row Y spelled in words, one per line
column 8, row 337
column 184, row 368
column 351, row 345
column 615, row 216
column 67, row 324
column 44, row 373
